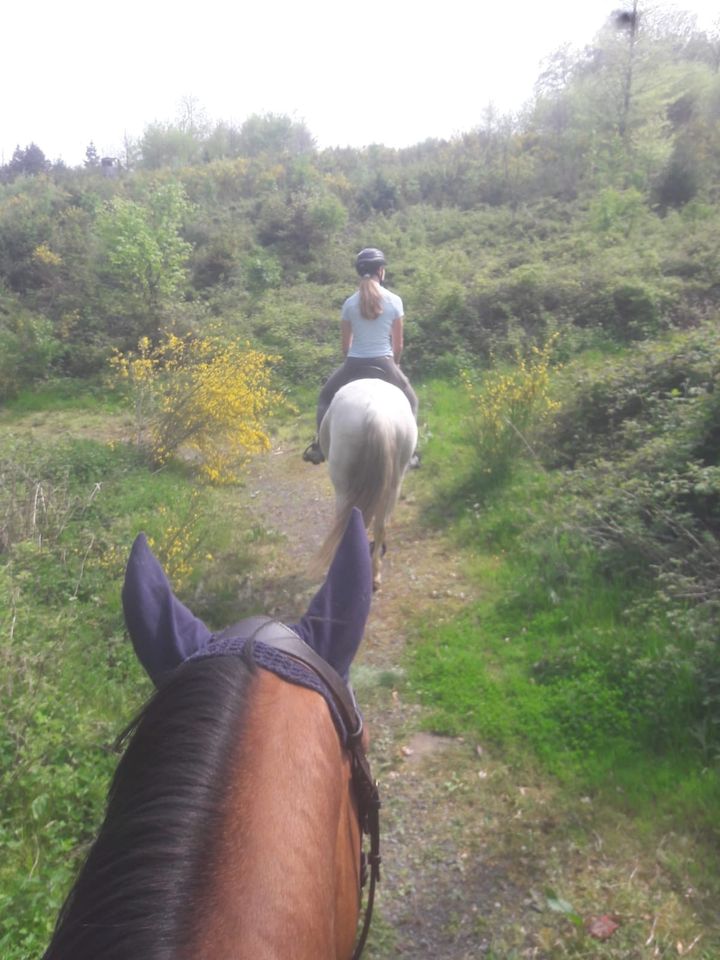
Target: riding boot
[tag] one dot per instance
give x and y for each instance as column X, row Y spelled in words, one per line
column 313, row 453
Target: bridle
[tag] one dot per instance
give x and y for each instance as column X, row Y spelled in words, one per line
column 277, row 635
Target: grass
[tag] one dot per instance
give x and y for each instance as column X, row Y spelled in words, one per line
column 63, row 395
column 557, row 670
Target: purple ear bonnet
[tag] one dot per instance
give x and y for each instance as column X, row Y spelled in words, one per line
column 335, row 620
column 165, row 633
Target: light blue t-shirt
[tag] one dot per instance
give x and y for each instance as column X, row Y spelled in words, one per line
column 372, row 338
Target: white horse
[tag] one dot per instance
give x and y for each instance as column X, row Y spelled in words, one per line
column 368, row 436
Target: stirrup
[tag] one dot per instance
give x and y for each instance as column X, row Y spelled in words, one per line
column 313, row 453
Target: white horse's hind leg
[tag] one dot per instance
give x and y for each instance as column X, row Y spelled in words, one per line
column 378, row 550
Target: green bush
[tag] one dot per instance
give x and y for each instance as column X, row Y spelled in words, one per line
column 27, row 348
column 664, row 388
column 641, row 433
column 508, row 405
column 595, row 645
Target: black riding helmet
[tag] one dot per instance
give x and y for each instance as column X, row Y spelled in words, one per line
column 370, row 260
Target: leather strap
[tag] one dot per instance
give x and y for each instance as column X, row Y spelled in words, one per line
column 280, row 637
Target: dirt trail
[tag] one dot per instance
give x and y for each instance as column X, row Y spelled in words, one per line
column 443, row 890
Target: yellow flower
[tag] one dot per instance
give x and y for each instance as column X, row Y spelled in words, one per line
column 202, row 394
column 43, row 254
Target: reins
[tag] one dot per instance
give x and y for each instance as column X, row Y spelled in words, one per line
column 280, row 637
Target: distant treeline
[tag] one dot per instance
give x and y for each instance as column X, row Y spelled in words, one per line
column 594, row 211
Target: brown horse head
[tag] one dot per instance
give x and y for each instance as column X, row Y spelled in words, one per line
column 232, row 828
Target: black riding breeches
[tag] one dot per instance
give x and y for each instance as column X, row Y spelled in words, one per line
column 357, row 368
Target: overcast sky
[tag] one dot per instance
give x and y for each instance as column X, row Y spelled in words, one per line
column 396, row 72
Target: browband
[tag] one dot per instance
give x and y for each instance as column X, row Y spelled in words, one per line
column 280, row 637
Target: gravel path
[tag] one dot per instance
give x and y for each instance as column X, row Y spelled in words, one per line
column 445, row 885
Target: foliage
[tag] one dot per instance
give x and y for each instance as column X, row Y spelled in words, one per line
column 202, row 396
column 642, row 433
column 302, row 330
column 26, row 348
column 635, row 397
column 26, row 162
column 632, row 518
column 592, row 213
column 169, row 145
column 274, row 135
column 507, row 405
column 145, row 255
column 595, row 643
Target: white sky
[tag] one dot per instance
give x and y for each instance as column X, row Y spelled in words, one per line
column 87, row 70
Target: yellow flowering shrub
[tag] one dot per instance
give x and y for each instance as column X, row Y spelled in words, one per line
column 43, row 254
column 141, row 372
column 178, row 544
column 203, row 397
column 507, row 405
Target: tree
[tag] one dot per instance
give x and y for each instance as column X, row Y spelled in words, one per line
column 192, row 118
column 145, row 256
column 29, row 162
column 627, row 22
column 26, row 347
column 130, row 154
column 222, row 142
column 169, row 145
column 275, row 135
column 92, row 160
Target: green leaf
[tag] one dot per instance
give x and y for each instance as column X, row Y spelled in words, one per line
column 558, row 905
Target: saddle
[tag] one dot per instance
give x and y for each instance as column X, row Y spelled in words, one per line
column 370, row 371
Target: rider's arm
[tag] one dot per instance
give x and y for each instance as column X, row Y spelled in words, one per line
column 397, row 338
column 346, row 328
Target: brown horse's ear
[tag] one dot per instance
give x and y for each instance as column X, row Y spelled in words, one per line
column 335, row 620
column 163, row 631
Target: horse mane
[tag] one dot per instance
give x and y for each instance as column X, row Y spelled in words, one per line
column 153, row 856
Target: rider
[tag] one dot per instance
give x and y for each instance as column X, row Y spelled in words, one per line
column 372, row 335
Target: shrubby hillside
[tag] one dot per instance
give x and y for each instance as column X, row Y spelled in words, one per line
column 586, row 228
column 593, row 211
column 560, row 271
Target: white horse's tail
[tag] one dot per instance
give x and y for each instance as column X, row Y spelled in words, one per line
column 371, row 483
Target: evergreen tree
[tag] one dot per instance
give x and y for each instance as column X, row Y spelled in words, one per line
column 29, row 162
column 92, row 160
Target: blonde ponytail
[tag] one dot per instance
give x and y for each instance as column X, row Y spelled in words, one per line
column 372, row 302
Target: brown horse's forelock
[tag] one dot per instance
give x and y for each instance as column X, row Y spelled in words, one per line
column 153, row 856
